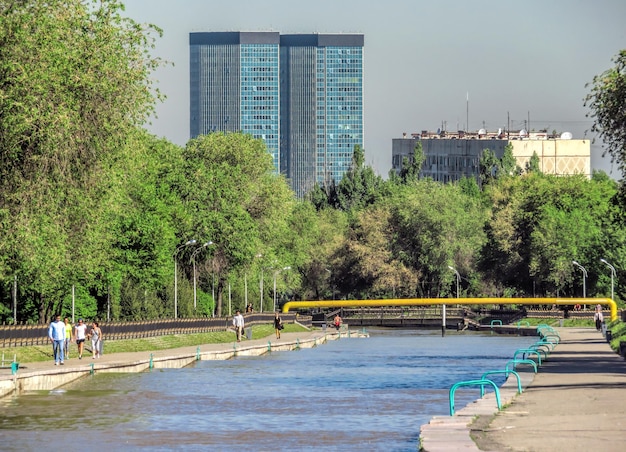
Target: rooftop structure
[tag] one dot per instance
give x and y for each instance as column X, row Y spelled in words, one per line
column 449, row 156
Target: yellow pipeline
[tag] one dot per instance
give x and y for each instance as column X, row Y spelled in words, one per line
column 441, row 301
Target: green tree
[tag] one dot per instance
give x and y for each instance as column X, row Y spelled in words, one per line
column 490, row 167
column 366, row 264
column 509, row 163
column 142, row 217
column 606, row 101
column 74, row 81
column 233, row 198
column 540, row 223
column 532, row 166
column 436, row 225
column 411, row 167
column 359, row 187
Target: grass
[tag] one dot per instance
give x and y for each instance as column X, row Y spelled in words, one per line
column 576, row 323
column 37, row 353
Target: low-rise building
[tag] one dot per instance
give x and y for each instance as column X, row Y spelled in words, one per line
column 450, row 156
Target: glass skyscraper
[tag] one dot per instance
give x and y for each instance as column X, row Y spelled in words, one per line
column 303, row 94
column 234, row 85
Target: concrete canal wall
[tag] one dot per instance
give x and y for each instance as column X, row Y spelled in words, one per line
column 47, row 376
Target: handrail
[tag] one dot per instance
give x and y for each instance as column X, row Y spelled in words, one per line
column 523, row 321
column 521, row 361
column 506, row 373
column 554, row 340
column 527, row 350
column 551, row 330
column 541, row 350
column 480, row 383
column 538, row 346
column 551, row 341
column 545, row 326
column 495, row 322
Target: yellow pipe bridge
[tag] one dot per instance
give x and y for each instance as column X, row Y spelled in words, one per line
column 448, row 301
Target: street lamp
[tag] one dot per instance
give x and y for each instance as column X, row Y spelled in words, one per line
column 584, row 277
column 443, row 307
column 261, row 284
column 15, row 300
column 193, row 260
column 275, row 274
column 188, row 243
column 458, row 279
column 330, row 277
column 613, row 274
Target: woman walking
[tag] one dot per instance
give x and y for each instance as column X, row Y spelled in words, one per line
column 80, row 333
column 278, row 325
column 96, row 340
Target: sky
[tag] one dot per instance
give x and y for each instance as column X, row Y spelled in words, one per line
column 426, row 64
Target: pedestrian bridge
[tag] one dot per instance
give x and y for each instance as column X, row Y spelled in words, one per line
column 447, row 301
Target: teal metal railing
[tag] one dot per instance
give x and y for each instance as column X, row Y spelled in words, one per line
column 515, row 362
column 506, row 373
column 529, row 351
column 481, row 383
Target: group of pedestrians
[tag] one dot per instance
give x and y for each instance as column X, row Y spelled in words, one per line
column 239, row 323
column 61, row 334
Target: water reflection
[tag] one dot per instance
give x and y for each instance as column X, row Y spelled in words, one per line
column 351, row 394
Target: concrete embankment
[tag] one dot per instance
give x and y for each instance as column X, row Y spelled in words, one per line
column 576, row 402
column 47, row 376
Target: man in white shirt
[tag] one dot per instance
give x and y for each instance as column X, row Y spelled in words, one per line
column 238, row 323
column 56, row 333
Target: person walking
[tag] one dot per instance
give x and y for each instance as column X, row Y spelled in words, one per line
column 238, row 323
column 96, row 340
column 80, row 333
column 278, row 325
column 56, row 333
column 337, row 322
column 68, row 337
column 598, row 317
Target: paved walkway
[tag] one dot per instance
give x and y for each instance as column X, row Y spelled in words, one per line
column 576, row 402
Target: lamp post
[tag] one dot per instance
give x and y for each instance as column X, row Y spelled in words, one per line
column 14, row 299
column 584, row 277
column 188, row 243
column 329, row 277
column 613, row 274
column 458, row 279
column 443, row 307
column 261, row 285
column 276, row 274
column 193, row 260
column 261, row 289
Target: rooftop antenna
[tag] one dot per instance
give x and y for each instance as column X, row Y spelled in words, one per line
column 508, row 126
column 467, row 112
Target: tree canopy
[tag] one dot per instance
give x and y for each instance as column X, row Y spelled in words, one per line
column 607, row 102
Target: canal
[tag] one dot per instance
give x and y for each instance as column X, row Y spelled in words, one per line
column 351, row 394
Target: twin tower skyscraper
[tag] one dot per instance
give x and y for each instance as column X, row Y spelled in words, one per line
column 301, row 93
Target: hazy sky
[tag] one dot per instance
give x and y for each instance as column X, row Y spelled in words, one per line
column 527, row 59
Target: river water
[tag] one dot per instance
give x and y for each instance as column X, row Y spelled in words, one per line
column 351, row 395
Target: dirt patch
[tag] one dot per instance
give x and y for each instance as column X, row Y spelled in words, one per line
column 479, row 430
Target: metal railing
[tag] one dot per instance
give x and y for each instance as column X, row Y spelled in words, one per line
column 25, row 335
